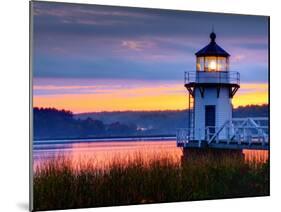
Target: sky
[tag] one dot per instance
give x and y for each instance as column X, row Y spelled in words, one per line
column 90, row 58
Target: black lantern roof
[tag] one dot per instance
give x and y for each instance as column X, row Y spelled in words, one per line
column 212, row 49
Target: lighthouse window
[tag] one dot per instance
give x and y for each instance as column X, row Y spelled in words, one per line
column 222, row 63
column 200, row 64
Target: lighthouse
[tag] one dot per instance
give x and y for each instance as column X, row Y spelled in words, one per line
column 211, row 89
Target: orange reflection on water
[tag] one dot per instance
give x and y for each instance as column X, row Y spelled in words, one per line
column 102, row 154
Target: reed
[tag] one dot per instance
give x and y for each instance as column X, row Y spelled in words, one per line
column 57, row 185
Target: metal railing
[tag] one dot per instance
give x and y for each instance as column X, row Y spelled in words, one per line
column 241, row 131
column 246, row 134
column 184, row 135
column 212, row 77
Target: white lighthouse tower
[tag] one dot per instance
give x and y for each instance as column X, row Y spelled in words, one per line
column 211, row 89
column 211, row 125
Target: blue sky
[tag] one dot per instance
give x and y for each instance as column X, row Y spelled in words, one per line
column 101, row 42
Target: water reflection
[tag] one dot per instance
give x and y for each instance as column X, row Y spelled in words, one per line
column 100, row 154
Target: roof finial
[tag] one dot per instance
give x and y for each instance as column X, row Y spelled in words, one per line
column 213, row 35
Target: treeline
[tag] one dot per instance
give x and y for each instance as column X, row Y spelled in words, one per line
column 251, row 111
column 50, row 123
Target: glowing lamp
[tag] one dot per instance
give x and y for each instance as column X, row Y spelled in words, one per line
column 213, row 66
column 212, row 57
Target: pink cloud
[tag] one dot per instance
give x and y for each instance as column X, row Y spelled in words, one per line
column 137, row 45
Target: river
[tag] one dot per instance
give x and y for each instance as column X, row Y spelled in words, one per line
column 100, row 152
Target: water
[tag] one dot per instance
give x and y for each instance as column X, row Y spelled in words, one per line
column 101, row 152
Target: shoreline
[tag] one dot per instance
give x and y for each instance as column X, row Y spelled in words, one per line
column 104, row 139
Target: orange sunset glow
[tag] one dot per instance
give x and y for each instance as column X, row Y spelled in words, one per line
column 126, row 151
column 145, row 98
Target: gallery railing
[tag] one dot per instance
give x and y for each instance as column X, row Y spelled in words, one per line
column 212, row 77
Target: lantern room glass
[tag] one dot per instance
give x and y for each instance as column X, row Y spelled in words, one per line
column 212, row 63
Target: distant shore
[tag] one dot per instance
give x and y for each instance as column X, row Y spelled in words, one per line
column 103, row 138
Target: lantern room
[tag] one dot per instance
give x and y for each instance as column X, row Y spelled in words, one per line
column 212, row 58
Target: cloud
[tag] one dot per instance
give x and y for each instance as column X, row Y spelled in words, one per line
column 55, row 86
column 101, row 42
column 137, row 45
column 80, row 10
column 238, row 57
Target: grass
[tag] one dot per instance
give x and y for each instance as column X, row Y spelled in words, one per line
column 58, row 186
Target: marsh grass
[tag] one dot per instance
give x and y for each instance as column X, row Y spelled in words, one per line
column 57, row 185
